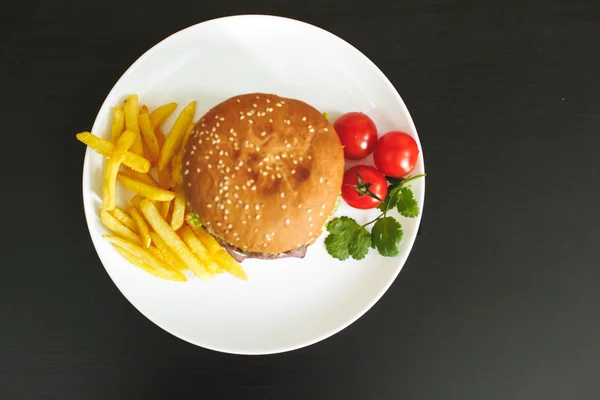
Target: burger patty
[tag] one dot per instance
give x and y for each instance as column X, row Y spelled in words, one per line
column 241, row 255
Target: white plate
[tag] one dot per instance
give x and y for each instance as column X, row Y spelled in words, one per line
column 286, row 304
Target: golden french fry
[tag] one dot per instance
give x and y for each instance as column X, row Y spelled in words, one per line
column 149, row 136
column 158, row 116
column 163, row 208
column 135, row 200
column 143, row 256
column 176, row 168
column 175, row 137
column 144, row 109
column 106, row 148
column 192, row 241
column 156, row 253
column 178, row 210
column 141, row 225
column 174, row 242
column 166, row 252
column 145, row 190
column 118, row 228
column 160, row 137
column 138, row 176
column 109, row 188
column 125, row 219
column 224, row 259
column 132, row 112
column 164, row 179
column 118, row 124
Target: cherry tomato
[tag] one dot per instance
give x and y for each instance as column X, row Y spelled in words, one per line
column 396, row 154
column 364, row 187
column 357, row 133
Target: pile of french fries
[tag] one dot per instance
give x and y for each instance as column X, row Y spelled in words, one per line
column 155, row 233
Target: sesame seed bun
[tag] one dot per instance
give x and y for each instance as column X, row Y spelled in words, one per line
column 263, row 172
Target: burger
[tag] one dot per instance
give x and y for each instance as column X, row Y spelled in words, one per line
column 263, row 173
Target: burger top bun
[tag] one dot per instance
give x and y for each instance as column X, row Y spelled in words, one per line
column 263, row 172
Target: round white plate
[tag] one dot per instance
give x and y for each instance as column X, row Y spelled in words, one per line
column 286, row 304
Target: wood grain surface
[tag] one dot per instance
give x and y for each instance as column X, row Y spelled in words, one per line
column 500, row 297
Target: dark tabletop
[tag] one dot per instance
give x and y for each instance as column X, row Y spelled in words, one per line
column 500, row 297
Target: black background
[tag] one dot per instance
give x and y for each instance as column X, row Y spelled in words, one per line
column 500, row 296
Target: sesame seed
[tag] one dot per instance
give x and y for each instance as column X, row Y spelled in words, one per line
column 310, row 225
column 249, row 169
column 254, row 105
column 287, row 221
column 237, row 100
column 257, row 97
column 309, row 210
column 256, row 207
column 229, row 226
column 310, row 233
column 323, row 206
column 209, row 206
column 209, row 166
column 250, row 121
column 217, row 124
column 300, row 205
column 189, row 184
column 255, row 229
column 217, row 198
column 282, row 195
column 257, row 216
column 303, row 118
column 198, row 170
column 278, row 104
column 253, row 188
column 283, row 206
column 293, row 171
column 192, row 152
column 222, row 119
column 267, row 100
column 265, row 245
column 270, row 120
column 187, row 171
column 218, row 224
column 311, row 130
column 241, row 117
column 263, row 134
column 321, row 180
column 321, row 213
column 187, row 163
column 309, row 219
column 326, row 129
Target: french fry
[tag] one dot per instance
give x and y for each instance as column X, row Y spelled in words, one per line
column 166, row 252
column 138, row 176
column 223, row 258
column 132, row 112
column 192, row 241
column 175, row 137
column 118, row 228
column 178, row 157
column 164, row 178
column 158, row 116
column 163, row 208
column 125, row 219
column 142, row 226
column 106, row 148
column 142, row 258
column 109, row 188
column 160, row 137
column 135, row 200
column 178, row 210
column 145, row 190
column 156, row 253
column 117, row 125
column 144, row 109
column 176, row 168
column 149, row 136
column 173, row 241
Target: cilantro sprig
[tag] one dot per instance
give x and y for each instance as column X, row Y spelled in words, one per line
column 349, row 239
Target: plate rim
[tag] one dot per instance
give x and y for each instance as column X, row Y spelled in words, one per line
column 90, row 213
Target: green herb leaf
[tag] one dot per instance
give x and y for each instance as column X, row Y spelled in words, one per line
column 390, row 201
column 347, row 239
column 386, row 235
column 326, row 115
column 406, row 204
column 195, row 220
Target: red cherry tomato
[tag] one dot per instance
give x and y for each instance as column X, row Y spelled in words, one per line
column 396, row 154
column 357, row 133
column 364, row 187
